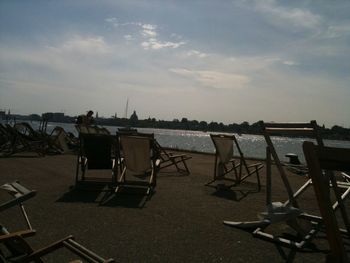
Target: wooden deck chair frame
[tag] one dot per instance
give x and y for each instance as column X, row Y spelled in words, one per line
column 221, row 168
column 58, row 138
column 62, row 140
column 96, row 152
column 291, row 129
column 336, row 159
column 92, row 129
column 29, row 254
column 130, row 146
column 19, row 194
column 27, row 131
column 6, row 141
column 305, row 129
column 168, row 159
column 15, row 241
column 22, row 143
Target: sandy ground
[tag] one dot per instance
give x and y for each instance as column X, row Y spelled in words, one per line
column 180, row 222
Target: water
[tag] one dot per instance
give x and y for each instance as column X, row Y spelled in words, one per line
column 251, row 145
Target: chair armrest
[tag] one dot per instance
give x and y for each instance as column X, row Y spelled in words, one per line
column 22, row 233
column 258, row 165
column 177, row 156
column 46, row 250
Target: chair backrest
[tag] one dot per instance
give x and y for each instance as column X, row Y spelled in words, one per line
column 81, row 128
column 103, row 130
column 305, row 129
column 97, row 148
column 223, row 146
column 137, row 152
column 331, row 159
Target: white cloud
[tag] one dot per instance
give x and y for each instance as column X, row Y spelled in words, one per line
column 296, row 18
column 113, row 21
column 337, row 31
column 290, row 63
column 85, row 45
column 149, row 30
column 213, row 79
column 196, row 53
column 128, row 37
column 155, row 44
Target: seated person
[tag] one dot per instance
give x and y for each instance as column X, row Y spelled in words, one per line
column 85, row 119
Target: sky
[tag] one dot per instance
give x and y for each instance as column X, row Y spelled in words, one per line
column 223, row 61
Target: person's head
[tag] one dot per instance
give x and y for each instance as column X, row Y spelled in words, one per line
column 90, row 113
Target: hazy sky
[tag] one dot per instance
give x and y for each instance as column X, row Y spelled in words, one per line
column 224, row 61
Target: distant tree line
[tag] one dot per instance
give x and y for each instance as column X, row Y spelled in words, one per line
column 336, row 132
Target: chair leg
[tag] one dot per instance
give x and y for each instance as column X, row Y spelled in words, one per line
column 121, row 179
column 185, row 165
column 258, row 178
column 77, row 170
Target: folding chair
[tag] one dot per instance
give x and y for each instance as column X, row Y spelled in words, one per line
column 18, row 249
column 28, row 254
column 304, row 224
column 21, row 142
column 62, row 140
column 168, row 159
column 97, row 152
column 226, row 164
column 334, row 159
column 19, row 194
column 139, row 161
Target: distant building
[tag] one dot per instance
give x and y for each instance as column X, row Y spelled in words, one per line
column 54, row 116
column 2, row 115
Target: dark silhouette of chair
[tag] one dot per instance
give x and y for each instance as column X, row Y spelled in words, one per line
column 28, row 254
column 168, row 159
column 226, row 164
column 63, row 140
column 97, row 152
column 19, row 141
column 17, row 247
column 305, row 225
column 334, row 159
column 91, row 129
column 139, row 161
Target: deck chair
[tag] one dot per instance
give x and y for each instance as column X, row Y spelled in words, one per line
column 19, row 194
column 18, row 249
column 92, row 129
column 335, row 159
column 226, row 164
column 28, row 254
column 27, row 131
column 62, row 140
column 139, row 161
column 304, row 224
column 168, row 159
column 20, row 142
column 96, row 152
column 5, row 140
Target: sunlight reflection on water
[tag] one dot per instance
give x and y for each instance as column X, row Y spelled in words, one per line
column 251, row 145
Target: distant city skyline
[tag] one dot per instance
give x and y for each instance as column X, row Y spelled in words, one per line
column 203, row 60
